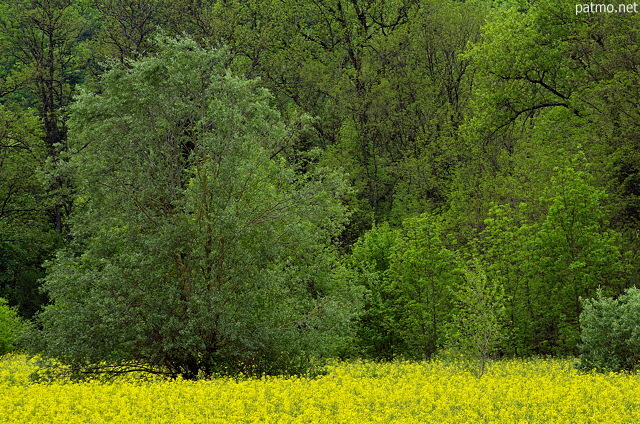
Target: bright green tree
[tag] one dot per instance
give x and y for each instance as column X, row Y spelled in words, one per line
column 549, row 254
column 574, row 253
column 500, row 249
column 199, row 249
column 11, row 327
column 422, row 279
column 547, row 78
column 371, row 259
column 477, row 327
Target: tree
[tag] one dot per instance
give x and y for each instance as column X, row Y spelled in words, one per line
column 128, row 27
column 371, row 258
column 499, row 254
column 11, row 327
column 385, row 80
column 39, row 66
column 26, row 236
column 548, row 78
column 574, row 253
column 45, row 57
column 422, row 279
column 549, row 253
column 478, row 324
column 200, row 250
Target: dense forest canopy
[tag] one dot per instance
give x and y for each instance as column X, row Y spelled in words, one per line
column 369, row 178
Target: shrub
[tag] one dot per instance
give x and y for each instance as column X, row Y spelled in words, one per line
column 610, row 332
column 10, row 327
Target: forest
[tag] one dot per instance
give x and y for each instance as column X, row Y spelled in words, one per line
column 200, row 187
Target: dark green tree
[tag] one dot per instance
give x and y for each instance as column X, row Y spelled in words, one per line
column 41, row 58
column 127, row 29
column 385, row 81
column 200, row 250
column 26, row 236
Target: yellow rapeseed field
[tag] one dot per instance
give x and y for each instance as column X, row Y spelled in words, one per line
column 536, row 391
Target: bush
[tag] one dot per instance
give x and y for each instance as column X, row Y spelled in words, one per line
column 10, row 327
column 610, row 332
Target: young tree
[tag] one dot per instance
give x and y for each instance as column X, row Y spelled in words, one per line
column 11, row 327
column 371, row 259
column 478, row 323
column 201, row 251
column 422, row 278
column 501, row 251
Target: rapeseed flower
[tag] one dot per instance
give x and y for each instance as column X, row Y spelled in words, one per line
column 517, row 391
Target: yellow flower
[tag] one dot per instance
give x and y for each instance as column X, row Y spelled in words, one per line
column 518, row 391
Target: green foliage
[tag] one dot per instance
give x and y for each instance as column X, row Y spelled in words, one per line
column 26, row 236
column 422, row 278
column 44, row 56
column 573, row 254
column 127, row 30
column 11, row 327
column 610, row 332
column 548, row 79
column 474, row 113
column 504, row 254
column 477, row 326
column 410, row 276
column 386, row 81
column 201, row 250
column 547, row 261
column 371, row 259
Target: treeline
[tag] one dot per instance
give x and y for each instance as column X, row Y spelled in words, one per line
column 418, row 177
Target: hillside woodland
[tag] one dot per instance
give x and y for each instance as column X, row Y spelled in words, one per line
column 197, row 187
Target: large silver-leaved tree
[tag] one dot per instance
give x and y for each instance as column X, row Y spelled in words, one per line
column 198, row 249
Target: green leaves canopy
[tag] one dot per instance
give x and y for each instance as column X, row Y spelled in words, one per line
column 202, row 251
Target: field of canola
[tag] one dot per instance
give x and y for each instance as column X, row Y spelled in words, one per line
column 536, row 391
